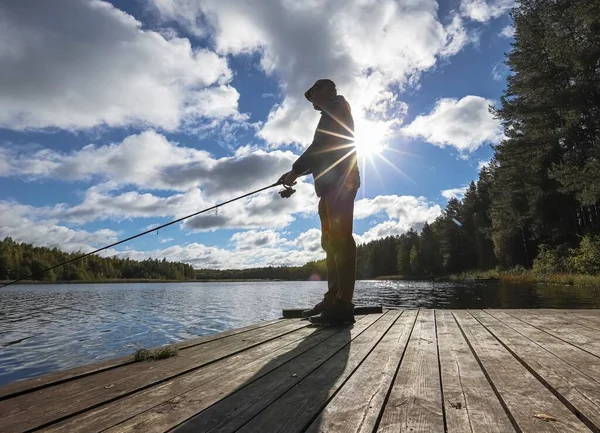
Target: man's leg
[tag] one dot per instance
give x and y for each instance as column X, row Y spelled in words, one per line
column 332, row 274
column 341, row 215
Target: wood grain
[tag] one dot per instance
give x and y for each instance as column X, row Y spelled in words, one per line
column 415, row 401
column 241, row 397
column 563, row 328
column 241, row 366
column 28, row 385
column 355, row 408
column 524, row 396
column 72, row 397
column 574, row 388
column 295, row 409
column 470, row 402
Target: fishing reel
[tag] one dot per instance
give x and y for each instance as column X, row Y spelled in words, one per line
column 287, row 191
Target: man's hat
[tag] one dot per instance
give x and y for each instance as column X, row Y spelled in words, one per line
column 319, row 83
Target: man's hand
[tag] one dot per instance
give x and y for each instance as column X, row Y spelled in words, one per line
column 288, row 178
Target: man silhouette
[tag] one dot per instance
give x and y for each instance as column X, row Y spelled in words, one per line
column 331, row 159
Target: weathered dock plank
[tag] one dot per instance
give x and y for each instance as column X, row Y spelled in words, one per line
column 530, row 403
column 296, row 313
column 571, row 386
column 470, row 402
column 573, row 355
column 238, row 367
column 235, row 411
column 72, row 397
column 412, row 370
column 28, row 385
column 193, row 402
column 292, row 411
column 355, row 408
column 563, row 328
column 415, row 401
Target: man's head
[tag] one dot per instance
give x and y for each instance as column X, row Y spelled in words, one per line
column 321, row 93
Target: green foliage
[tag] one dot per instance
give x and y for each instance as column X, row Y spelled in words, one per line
column 20, row 260
column 586, row 258
column 160, row 353
column 415, row 265
column 316, row 270
column 529, row 277
column 550, row 260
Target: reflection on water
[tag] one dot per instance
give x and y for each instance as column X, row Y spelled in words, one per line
column 44, row 328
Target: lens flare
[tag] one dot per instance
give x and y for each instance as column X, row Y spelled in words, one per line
column 370, row 141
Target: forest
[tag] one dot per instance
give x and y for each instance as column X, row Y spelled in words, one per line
column 21, row 260
column 533, row 207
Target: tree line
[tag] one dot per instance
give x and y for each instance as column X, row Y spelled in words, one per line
column 21, row 260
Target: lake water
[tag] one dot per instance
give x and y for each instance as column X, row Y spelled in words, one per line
column 44, row 328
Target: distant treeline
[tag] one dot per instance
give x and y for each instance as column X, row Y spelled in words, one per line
column 315, row 270
column 20, row 260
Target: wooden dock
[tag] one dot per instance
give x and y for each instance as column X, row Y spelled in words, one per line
column 397, row 371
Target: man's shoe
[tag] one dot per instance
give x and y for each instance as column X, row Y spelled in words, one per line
column 317, row 309
column 340, row 313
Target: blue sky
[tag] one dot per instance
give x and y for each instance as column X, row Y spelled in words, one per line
column 120, row 116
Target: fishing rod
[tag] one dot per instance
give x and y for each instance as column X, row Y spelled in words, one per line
column 284, row 193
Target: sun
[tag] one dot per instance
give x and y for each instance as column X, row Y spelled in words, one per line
column 371, row 141
column 369, row 138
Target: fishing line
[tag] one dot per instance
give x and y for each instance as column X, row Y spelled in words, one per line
column 285, row 193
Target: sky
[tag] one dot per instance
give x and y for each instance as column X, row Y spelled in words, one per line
column 119, row 116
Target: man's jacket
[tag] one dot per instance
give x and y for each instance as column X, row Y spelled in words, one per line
column 331, row 158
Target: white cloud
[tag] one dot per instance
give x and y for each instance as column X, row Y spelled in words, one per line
column 482, row 164
column 202, row 256
column 465, row 124
column 457, row 193
column 251, row 248
column 254, row 239
column 100, row 205
column 403, row 213
column 263, row 245
column 91, row 64
column 406, row 207
column 260, row 211
column 310, row 241
column 149, row 160
column 499, row 71
column 485, row 10
column 507, row 32
column 22, row 223
column 366, row 47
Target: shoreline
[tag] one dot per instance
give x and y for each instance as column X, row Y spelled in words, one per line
column 529, row 277
column 140, row 280
column 509, row 276
column 516, row 277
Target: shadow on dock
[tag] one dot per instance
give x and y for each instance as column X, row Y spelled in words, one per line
column 287, row 393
